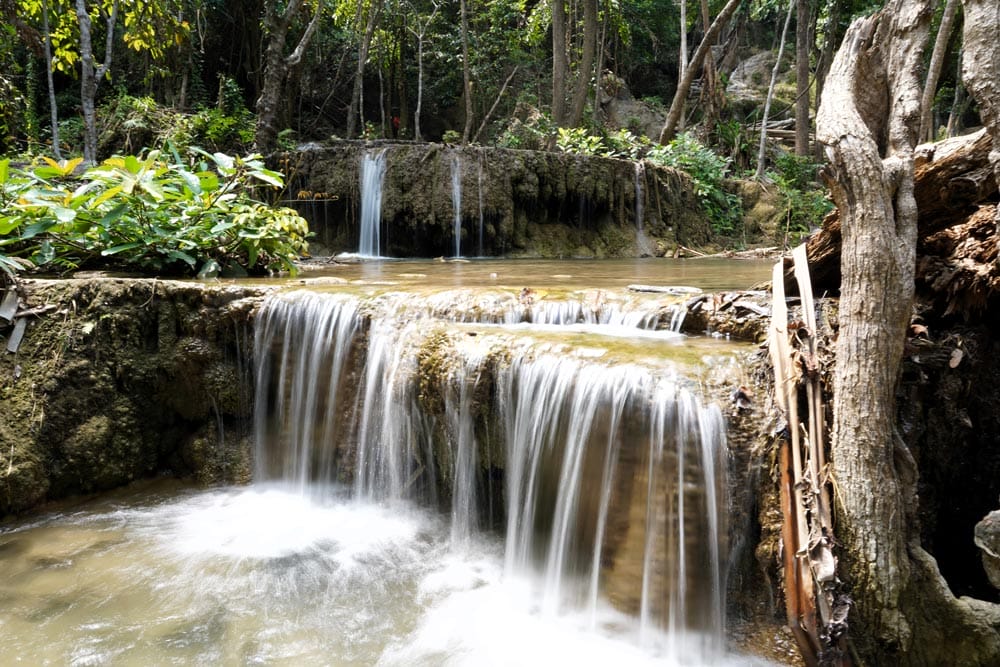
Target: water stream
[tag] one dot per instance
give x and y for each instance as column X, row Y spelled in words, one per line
column 449, row 471
column 456, row 200
column 373, row 165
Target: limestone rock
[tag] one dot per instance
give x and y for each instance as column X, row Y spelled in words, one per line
column 988, row 540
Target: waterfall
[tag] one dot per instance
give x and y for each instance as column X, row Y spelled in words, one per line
column 644, row 246
column 612, row 474
column 372, row 178
column 456, row 200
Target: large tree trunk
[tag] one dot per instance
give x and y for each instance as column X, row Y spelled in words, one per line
column 934, row 70
column 560, row 62
column 874, row 75
column 586, row 62
column 868, row 123
column 802, row 78
column 684, row 85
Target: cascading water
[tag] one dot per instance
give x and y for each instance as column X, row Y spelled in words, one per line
column 643, row 244
column 372, row 177
column 611, row 474
column 456, row 201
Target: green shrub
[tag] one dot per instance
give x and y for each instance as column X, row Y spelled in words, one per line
column 143, row 212
column 708, row 171
column 806, row 203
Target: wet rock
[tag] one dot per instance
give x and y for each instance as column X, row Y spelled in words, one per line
column 527, row 203
column 988, row 540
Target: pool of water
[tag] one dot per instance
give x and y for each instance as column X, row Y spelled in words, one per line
column 265, row 574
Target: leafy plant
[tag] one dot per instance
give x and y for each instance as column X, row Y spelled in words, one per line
column 143, row 212
column 708, row 171
column 578, row 140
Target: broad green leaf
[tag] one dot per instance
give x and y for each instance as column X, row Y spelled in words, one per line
column 63, row 214
column 223, row 160
column 132, row 164
column 221, row 227
column 9, row 224
column 105, row 196
column 268, row 176
column 190, row 180
column 154, row 190
column 4, row 171
column 182, row 256
column 113, row 215
column 40, row 227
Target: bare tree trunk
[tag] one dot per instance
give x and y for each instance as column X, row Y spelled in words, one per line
column 91, row 74
column 709, row 78
column 981, row 70
column 682, row 66
column 677, row 106
column 466, row 73
column 873, row 187
column 560, row 62
column 586, row 62
column 53, row 108
column 355, row 111
column 276, row 66
column 770, row 93
column 934, row 70
column 802, row 78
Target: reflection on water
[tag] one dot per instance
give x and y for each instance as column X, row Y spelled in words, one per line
column 262, row 575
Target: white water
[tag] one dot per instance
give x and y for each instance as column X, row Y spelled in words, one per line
column 456, row 201
column 565, row 426
column 372, row 176
column 328, row 559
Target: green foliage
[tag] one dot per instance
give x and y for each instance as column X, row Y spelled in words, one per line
column 708, row 171
column 806, row 203
column 578, row 140
column 143, row 212
column 451, row 137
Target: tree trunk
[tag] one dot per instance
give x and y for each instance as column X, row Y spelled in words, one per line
column 682, row 63
column 276, row 65
column 53, row 108
column 677, row 105
column 466, row 73
column 560, row 62
column 709, row 79
column 420, row 87
column 354, row 112
column 802, row 78
column 981, row 70
column 830, row 41
column 868, row 123
column 586, row 62
column 770, row 94
column 91, row 75
column 934, row 70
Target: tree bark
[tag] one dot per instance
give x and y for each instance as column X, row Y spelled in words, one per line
column 682, row 62
column 586, row 61
column 934, row 70
column 830, row 41
column 684, row 86
column 981, row 70
column 868, row 123
column 560, row 62
column 710, row 101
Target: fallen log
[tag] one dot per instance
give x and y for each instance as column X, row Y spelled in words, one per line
column 953, row 179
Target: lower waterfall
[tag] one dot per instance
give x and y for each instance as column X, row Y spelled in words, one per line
column 606, row 481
